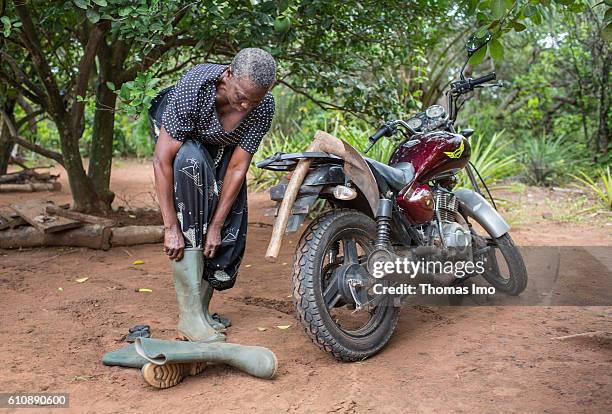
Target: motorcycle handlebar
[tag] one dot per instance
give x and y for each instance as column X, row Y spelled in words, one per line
column 483, row 79
column 383, row 131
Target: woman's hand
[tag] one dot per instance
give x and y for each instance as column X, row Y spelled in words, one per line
column 213, row 241
column 174, row 244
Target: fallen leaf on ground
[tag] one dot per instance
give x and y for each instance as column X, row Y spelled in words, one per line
column 145, row 290
column 262, row 329
column 283, row 326
column 138, row 262
column 81, row 279
column 247, row 265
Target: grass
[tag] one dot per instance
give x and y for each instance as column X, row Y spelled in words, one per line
column 602, row 192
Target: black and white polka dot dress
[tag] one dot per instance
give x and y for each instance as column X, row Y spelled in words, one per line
column 191, row 112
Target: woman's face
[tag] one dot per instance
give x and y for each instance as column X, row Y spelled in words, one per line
column 242, row 94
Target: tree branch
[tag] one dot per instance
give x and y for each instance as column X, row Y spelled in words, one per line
column 27, row 144
column 10, row 80
column 37, row 90
column 29, row 117
column 85, row 66
column 29, row 36
column 322, row 104
column 153, row 56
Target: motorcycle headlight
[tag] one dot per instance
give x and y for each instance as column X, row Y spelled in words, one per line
column 435, row 111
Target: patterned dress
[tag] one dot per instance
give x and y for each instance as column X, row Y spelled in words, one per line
column 187, row 112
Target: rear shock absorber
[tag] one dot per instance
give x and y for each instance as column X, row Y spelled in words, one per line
column 383, row 223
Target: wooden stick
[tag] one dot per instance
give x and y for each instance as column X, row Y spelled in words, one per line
column 280, row 224
column 594, row 334
column 74, row 215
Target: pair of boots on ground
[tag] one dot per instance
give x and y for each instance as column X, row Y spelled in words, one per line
column 165, row 363
column 193, row 295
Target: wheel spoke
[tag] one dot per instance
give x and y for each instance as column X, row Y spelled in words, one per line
column 349, row 247
column 331, row 296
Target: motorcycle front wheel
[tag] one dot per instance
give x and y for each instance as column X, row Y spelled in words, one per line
column 504, row 265
column 340, row 237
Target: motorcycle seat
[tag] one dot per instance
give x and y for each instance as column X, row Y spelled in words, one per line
column 396, row 176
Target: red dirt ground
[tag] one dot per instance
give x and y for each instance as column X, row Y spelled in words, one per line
column 441, row 359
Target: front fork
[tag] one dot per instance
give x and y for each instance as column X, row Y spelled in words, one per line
column 358, row 285
column 472, row 177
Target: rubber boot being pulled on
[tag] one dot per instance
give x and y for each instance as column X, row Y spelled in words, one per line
column 222, row 323
column 187, row 274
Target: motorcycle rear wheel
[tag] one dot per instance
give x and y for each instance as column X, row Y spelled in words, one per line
column 312, row 282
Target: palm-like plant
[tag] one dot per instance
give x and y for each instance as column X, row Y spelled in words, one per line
column 602, row 193
column 490, row 161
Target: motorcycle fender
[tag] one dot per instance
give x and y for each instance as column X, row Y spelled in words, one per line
column 475, row 206
column 309, row 192
column 314, row 181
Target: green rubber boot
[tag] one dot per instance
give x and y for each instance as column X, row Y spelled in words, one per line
column 187, row 275
column 207, row 292
column 125, row 357
column 173, row 361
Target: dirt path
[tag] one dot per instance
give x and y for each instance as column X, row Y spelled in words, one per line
column 441, row 359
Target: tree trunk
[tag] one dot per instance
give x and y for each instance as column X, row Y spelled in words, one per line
column 83, row 192
column 603, row 131
column 102, row 141
column 6, row 142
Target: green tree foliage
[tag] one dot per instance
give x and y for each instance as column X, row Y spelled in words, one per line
column 62, row 55
column 555, row 105
column 70, row 59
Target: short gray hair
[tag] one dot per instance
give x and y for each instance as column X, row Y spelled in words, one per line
column 255, row 64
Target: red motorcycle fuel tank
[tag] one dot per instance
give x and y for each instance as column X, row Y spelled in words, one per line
column 417, row 203
column 431, row 154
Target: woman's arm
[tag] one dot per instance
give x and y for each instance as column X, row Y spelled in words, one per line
column 234, row 177
column 163, row 158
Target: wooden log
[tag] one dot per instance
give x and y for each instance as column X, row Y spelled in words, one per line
column 30, row 187
column 25, row 175
column 7, row 213
column 12, row 178
column 74, row 215
column 130, row 235
column 21, row 237
column 93, row 236
column 9, row 218
column 36, row 215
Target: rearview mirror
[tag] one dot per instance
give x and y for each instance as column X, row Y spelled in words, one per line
column 477, row 40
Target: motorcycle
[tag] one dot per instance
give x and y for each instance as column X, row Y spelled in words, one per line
column 409, row 209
